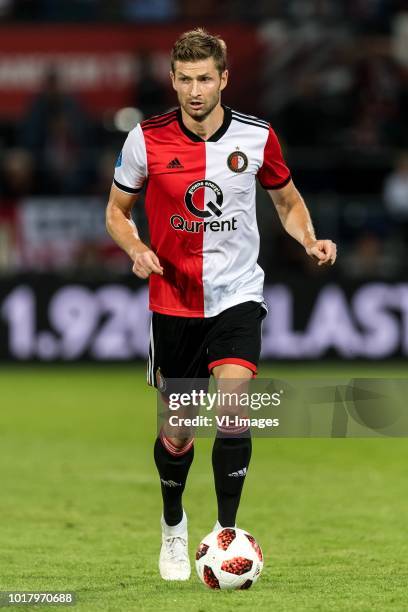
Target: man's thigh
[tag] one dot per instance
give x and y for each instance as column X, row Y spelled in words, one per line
column 177, row 349
column 236, row 336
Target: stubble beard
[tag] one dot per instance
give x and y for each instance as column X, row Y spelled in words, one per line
column 201, row 115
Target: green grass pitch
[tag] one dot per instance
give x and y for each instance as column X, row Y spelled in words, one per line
column 80, row 502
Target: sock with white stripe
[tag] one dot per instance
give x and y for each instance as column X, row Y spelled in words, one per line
column 173, row 465
column 230, row 459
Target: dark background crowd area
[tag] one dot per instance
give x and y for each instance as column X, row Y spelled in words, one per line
column 332, row 80
column 366, row 15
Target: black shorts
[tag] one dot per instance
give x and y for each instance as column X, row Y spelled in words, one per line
column 183, row 347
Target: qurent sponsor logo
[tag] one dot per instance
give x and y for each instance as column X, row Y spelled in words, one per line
column 212, row 208
column 178, row 222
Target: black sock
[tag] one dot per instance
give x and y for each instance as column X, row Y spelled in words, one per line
column 173, row 467
column 230, row 459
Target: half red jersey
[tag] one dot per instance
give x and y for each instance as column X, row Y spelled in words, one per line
column 200, row 205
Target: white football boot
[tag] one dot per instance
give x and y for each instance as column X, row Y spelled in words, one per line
column 174, row 562
column 217, row 526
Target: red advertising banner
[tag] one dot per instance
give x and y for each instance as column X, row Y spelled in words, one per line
column 102, row 64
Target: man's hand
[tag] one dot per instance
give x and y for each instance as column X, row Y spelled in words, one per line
column 296, row 220
column 322, row 251
column 121, row 227
column 146, row 263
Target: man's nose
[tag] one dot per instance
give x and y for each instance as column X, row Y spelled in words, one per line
column 195, row 88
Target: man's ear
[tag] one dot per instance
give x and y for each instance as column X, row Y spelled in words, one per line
column 172, row 77
column 224, row 79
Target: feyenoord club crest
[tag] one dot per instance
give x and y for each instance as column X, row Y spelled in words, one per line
column 160, row 380
column 237, row 161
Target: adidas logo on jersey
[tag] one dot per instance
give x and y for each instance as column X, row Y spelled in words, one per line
column 175, row 163
column 170, row 483
column 238, row 473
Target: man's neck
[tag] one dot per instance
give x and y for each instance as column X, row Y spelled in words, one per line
column 205, row 129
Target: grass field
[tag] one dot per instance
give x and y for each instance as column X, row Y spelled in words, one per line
column 80, row 503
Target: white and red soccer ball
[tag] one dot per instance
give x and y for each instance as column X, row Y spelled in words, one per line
column 229, row 558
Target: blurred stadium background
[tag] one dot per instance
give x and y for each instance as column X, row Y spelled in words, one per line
column 76, row 469
column 76, row 75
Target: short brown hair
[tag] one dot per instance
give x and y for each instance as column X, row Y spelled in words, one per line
column 198, row 45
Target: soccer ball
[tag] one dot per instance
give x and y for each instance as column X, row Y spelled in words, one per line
column 229, row 558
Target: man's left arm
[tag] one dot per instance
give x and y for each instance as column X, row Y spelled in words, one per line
column 296, row 220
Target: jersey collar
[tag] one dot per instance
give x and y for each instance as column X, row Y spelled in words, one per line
column 216, row 136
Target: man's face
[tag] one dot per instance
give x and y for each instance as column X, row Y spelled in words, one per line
column 198, row 86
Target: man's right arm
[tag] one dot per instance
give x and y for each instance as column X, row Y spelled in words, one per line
column 121, row 227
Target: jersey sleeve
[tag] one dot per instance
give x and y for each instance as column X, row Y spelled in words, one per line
column 131, row 165
column 274, row 173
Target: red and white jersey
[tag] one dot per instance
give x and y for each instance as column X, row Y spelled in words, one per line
column 200, row 205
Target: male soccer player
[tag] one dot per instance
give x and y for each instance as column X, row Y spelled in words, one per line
column 200, row 163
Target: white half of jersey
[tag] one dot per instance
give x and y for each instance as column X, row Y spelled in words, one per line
column 231, row 274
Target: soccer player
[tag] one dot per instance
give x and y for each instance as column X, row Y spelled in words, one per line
column 200, row 163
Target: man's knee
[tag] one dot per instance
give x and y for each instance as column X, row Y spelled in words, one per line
column 232, row 371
